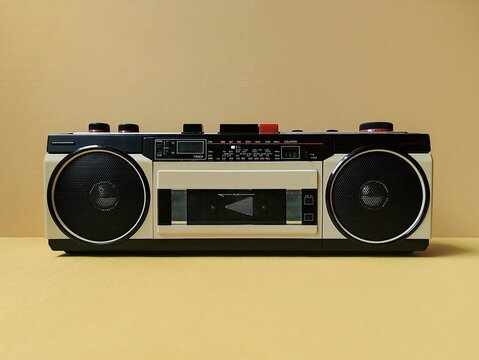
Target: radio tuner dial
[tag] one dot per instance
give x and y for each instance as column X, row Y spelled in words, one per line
column 378, row 126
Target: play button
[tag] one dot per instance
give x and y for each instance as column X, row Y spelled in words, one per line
column 243, row 206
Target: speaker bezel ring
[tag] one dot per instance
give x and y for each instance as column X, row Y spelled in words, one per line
column 404, row 156
column 80, row 152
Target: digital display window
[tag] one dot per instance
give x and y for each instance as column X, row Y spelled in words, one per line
column 190, row 147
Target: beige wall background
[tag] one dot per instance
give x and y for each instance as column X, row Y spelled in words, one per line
column 305, row 64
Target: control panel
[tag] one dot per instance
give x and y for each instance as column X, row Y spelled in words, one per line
column 224, row 149
column 262, row 150
column 236, row 142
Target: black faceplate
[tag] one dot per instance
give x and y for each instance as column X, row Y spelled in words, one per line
column 243, row 147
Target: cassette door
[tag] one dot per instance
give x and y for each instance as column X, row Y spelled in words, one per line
column 237, row 200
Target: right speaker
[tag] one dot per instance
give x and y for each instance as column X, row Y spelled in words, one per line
column 377, row 196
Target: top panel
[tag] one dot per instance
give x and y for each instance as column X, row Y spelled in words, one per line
column 240, row 142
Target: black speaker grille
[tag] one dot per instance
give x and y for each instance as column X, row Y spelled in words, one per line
column 377, row 196
column 99, row 196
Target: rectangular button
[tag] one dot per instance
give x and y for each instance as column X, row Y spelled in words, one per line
column 308, row 200
column 308, row 217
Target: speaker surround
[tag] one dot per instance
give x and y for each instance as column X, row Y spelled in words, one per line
column 98, row 195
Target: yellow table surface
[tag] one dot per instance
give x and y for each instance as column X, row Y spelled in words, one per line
column 117, row 307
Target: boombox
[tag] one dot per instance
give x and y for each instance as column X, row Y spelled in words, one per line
column 248, row 189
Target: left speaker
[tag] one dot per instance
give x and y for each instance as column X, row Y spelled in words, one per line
column 98, row 195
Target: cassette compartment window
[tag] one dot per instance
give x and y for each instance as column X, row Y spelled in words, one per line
column 190, row 147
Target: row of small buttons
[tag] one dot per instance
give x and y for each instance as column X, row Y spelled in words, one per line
column 235, row 128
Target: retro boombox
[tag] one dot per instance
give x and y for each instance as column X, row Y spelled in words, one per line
column 246, row 189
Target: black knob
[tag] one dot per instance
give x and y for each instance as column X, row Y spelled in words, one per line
column 378, row 126
column 297, row 130
column 128, row 128
column 98, row 127
column 192, row 128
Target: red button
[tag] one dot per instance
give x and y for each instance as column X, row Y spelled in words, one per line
column 268, row 128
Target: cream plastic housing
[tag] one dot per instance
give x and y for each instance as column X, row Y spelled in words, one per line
column 51, row 229
column 422, row 232
column 238, row 175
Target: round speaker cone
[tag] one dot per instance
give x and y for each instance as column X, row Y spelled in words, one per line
column 377, row 196
column 374, row 194
column 98, row 195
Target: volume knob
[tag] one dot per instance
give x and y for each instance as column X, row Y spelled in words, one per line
column 376, row 127
column 98, row 127
column 128, row 128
